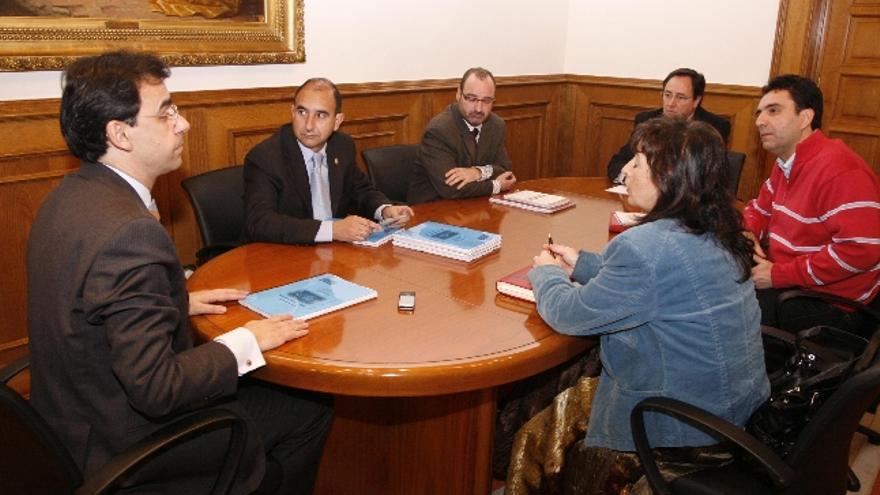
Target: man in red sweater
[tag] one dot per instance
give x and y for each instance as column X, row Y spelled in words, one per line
column 817, row 218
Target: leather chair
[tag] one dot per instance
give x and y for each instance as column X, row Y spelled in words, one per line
column 736, row 160
column 217, row 198
column 389, row 168
column 34, row 461
column 817, row 463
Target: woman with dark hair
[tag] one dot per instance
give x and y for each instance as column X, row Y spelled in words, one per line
column 672, row 302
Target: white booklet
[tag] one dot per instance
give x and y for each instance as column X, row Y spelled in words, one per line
column 618, row 189
column 533, row 201
column 308, row 298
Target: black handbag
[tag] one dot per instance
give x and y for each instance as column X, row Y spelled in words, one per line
column 802, row 376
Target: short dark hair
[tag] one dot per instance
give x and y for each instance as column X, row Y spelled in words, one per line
column 698, row 82
column 688, row 163
column 322, row 82
column 101, row 88
column 478, row 72
column 804, row 92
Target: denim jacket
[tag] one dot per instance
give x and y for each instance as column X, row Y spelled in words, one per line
column 673, row 321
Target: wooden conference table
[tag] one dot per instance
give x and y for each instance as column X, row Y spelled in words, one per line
column 415, row 393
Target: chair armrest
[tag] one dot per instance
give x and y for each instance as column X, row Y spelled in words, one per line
column 120, row 467
column 15, row 367
column 790, row 294
column 780, row 473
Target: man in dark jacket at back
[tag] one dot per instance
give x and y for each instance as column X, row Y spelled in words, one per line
column 682, row 97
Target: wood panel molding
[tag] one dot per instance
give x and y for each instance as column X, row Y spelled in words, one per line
column 557, row 124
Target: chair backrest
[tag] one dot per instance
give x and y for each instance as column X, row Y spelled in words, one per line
column 217, row 198
column 32, row 459
column 390, row 167
column 735, row 159
column 820, row 455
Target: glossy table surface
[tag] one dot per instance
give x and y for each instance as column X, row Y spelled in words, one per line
column 462, row 335
column 415, row 393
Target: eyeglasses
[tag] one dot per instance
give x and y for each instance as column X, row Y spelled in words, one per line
column 488, row 100
column 668, row 95
column 171, row 113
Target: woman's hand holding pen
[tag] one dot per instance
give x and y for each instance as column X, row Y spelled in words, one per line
column 557, row 254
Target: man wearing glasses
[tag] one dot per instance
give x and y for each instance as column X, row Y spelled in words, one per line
column 112, row 355
column 462, row 153
column 682, row 97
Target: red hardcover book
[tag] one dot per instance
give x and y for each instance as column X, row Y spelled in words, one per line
column 517, row 285
column 622, row 220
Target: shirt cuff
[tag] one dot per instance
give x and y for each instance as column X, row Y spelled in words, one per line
column 485, row 171
column 325, row 231
column 378, row 214
column 244, row 347
column 496, row 186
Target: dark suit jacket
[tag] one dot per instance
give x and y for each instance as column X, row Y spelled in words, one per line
column 446, row 144
column 112, row 358
column 277, row 198
column 624, row 155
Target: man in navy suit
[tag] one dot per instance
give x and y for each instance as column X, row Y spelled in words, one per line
column 302, row 185
column 683, row 98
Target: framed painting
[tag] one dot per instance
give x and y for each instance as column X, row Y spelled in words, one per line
column 47, row 34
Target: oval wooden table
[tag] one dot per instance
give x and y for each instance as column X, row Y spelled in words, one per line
column 415, row 392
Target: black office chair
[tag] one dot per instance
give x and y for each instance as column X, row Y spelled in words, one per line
column 867, row 324
column 217, row 198
column 34, row 461
column 389, row 168
column 817, row 464
column 736, row 160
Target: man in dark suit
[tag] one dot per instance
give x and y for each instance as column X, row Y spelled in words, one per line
column 682, row 97
column 302, row 185
column 462, row 153
column 112, row 356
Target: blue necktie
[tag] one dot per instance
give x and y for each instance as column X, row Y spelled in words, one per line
column 320, row 188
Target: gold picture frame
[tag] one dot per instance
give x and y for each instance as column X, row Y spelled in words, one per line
column 273, row 35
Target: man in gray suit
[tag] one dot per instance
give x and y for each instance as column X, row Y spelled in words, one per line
column 111, row 350
column 462, row 153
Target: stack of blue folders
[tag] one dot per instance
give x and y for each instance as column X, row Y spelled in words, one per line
column 450, row 241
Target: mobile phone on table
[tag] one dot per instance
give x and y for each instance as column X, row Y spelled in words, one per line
column 406, row 301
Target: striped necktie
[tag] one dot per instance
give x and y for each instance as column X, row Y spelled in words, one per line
column 320, row 188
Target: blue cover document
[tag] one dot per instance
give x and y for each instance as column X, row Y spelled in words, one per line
column 308, row 298
column 451, row 241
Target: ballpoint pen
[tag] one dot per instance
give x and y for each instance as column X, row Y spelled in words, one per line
column 550, row 242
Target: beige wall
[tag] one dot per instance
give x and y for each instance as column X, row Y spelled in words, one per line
column 730, row 41
column 387, row 40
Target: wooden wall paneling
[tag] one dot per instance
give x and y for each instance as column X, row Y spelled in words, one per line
column 800, row 28
column 383, row 120
column 604, row 113
column 33, row 159
column 867, row 145
column 531, row 112
column 20, row 199
column 850, row 76
column 737, row 104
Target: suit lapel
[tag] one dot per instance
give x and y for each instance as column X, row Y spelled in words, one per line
column 465, row 134
column 334, row 177
column 297, row 172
